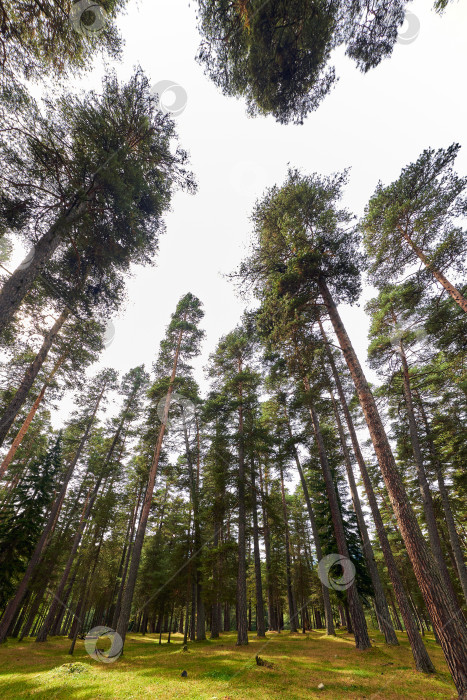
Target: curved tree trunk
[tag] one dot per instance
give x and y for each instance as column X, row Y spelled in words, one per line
column 447, row 617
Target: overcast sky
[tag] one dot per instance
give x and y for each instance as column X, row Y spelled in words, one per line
column 374, row 123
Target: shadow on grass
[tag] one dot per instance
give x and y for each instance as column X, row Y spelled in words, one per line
column 16, row 690
column 221, row 669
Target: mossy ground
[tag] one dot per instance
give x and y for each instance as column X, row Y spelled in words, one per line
column 217, row 669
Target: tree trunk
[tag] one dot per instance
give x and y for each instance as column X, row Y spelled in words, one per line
column 187, row 615
column 288, row 568
column 28, row 420
column 79, row 614
column 226, row 617
column 448, row 620
column 33, row 610
column 451, row 290
column 215, row 609
column 89, row 504
column 428, row 509
column 214, row 621
column 118, row 604
column 362, row 640
column 170, row 622
column 121, row 567
column 81, row 621
column 394, row 612
column 200, row 618
column 193, row 609
column 381, row 605
column 242, row 619
column 267, row 550
column 260, row 629
column 348, row 619
column 22, row 615
column 17, row 286
column 57, row 623
column 314, row 528
column 11, row 411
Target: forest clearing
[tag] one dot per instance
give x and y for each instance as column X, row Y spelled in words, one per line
column 219, row 669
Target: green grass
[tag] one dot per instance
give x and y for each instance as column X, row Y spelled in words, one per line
column 217, row 669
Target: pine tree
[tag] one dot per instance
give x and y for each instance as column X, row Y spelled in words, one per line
column 276, row 54
column 24, row 516
column 181, row 343
column 110, row 173
column 416, row 218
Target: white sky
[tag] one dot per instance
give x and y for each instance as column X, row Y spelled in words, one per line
column 377, row 123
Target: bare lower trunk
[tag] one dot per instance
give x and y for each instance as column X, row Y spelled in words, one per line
column 288, row 567
column 362, row 640
column 422, row 660
column 267, row 550
column 215, row 610
column 314, row 528
column 260, row 628
column 88, row 506
column 118, row 604
column 194, row 489
column 200, row 617
column 242, row 615
column 447, row 618
column 33, row 610
column 381, row 606
column 428, row 509
column 58, row 595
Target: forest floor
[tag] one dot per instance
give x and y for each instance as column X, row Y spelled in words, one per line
column 218, row 670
